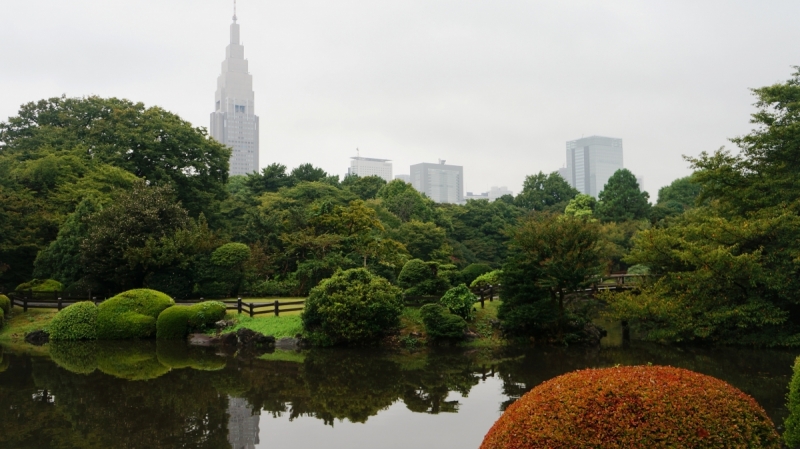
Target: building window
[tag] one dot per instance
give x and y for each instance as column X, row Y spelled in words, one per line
column 239, row 109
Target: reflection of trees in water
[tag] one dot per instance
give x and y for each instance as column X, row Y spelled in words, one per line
column 763, row 374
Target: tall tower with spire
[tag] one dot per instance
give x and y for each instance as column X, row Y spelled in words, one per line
column 233, row 122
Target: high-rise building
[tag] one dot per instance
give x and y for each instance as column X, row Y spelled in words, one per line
column 367, row 166
column 440, row 182
column 233, row 122
column 591, row 161
column 404, row 178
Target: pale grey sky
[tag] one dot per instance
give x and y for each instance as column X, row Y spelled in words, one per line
column 495, row 86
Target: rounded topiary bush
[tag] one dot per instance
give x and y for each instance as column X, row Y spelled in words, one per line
column 177, row 321
column 352, row 306
column 5, row 304
column 487, row 279
column 460, row 301
column 472, row 271
column 41, row 285
column 440, row 324
column 633, row 407
column 131, row 314
column 76, row 322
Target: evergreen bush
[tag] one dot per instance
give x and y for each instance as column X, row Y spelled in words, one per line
column 420, row 278
column 441, row 324
column 41, row 285
column 131, row 314
column 633, row 407
column 5, row 304
column 460, row 301
column 487, row 279
column 352, row 306
column 792, row 422
column 472, row 271
column 76, row 322
column 177, row 322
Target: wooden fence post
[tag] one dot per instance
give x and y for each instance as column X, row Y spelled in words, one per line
column 24, row 304
column 251, row 310
column 239, row 305
column 277, row 305
column 59, row 303
column 491, row 293
column 482, row 299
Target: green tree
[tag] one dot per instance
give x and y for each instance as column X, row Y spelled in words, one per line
column 365, row 188
column 405, row 202
column 553, row 255
column 682, row 190
column 542, row 192
column 150, row 143
column 271, row 178
column 307, row 173
column 581, row 206
column 621, row 199
column 423, row 240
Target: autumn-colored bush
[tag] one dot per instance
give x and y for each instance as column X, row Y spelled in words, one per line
column 633, row 407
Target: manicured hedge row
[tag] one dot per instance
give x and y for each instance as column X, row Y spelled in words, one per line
column 633, row 407
column 177, row 322
column 131, row 314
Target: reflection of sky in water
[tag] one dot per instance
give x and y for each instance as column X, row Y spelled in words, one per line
column 395, row 427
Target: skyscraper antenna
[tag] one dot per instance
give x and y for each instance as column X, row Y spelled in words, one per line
column 234, row 10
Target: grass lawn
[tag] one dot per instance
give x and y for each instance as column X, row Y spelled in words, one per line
column 279, row 327
column 19, row 323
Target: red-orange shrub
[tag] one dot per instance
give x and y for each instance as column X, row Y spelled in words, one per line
column 633, row 407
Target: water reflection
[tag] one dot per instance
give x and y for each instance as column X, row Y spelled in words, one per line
column 155, row 394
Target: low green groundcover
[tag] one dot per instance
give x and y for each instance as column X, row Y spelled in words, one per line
column 131, row 314
column 178, row 321
column 41, row 285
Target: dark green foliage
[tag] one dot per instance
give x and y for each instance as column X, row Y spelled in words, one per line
column 542, row 192
column 423, row 240
column 552, row 256
column 5, row 304
column 365, row 188
column 440, row 324
column 420, row 278
column 621, row 199
column 479, row 231
column 353, row 306
column 41, row 285
column 271, row 178
column 487, row 279
column 2, row 318
column 131, row 314
column 151, row 143
column 472, row 271
column 79, row 357
column 231, row 255
column 77, row 322
column 176, row 322
column 683, row 191
column 460, row 301
column 307, row 173
column 792, row 422
column 405, row 202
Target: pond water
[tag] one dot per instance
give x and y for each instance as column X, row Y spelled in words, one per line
column 156, row 395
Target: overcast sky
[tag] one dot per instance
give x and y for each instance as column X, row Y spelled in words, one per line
column 495, row 86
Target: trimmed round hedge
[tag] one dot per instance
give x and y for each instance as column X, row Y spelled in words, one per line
column 633, row 407
column 5, row 304
column 440, row 324
column 177, row 321
column 76, row 322
column 41, row 285
column 131, row 314
column 352, row 306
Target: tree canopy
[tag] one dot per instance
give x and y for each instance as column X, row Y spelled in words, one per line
column 621, row 199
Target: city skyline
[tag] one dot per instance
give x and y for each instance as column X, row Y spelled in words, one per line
column 496, row 87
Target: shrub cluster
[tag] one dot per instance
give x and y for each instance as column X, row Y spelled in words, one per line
column 352, row 306
column 460, row 301
column 487, row 279
column 131, row 314
column 440, row 324
column 177, row 322
column 76, row 322
column 473, row 271
column 5, row 304
column 41, row 285
column 420, row 278
column 633, row 407
column 792, row 422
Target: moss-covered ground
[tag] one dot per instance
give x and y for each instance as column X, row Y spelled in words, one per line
column 18, row 323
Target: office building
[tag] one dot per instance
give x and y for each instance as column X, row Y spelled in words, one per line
column 233, row 122
column 591, row 161
column 477, row 196
column 367, row 166
column 493, row 194
column 440, row 182
column 404, row 178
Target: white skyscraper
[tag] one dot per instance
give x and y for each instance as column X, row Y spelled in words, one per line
column 233, row 122
column 591, row 161
column 368, row 166
column 440, row 182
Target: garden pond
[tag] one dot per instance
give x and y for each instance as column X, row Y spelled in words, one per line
column 150, row 394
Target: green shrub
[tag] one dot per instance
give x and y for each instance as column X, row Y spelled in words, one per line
column 41, row 285
column 75, row 356
column 633, row 407
column 441, row 324
column 352, row 306
column 177, row 322
column 420, row 278
column 460, row 301
column 76, row 322
column 5, row 304
column 792, row 422
column 472, row 271
column 131, row 314
column 487, row 279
